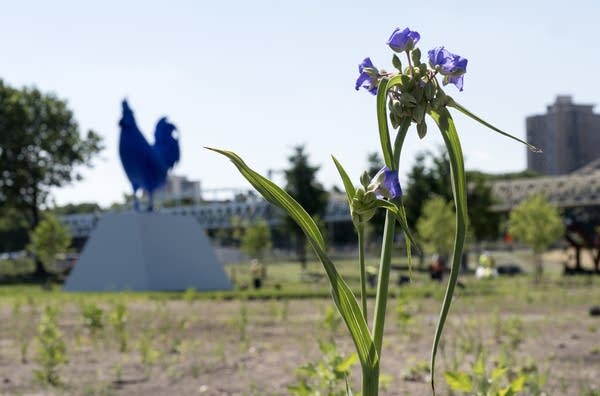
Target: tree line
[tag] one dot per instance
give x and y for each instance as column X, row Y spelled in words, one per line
column 42, row 147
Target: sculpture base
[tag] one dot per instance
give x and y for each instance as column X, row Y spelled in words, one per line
column 147, row 252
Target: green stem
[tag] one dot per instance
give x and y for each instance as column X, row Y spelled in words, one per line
column 383, row 282
column 363, row 273
column 370, row 381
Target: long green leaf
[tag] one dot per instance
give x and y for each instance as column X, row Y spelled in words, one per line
column 408, row 238
column 466, row 112
column 342, row 295
column 350, row 192
column 384, row 133
column 348, row 186
column 398, row 143
column 459, row 191
column 390, row 155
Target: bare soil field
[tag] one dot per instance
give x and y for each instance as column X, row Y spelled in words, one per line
column 243, row 347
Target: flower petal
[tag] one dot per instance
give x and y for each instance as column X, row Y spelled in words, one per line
column 457, row 80
column 385, row 184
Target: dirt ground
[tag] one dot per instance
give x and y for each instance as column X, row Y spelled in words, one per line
column 255, row 347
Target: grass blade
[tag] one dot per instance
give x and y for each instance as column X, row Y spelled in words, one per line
column 459, row 191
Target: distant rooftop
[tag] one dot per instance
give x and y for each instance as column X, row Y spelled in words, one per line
column 565, row 102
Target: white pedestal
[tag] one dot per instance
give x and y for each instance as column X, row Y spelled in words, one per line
column 147, row 251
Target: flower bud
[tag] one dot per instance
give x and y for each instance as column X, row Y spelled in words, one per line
column 365, row 179
column 419, row 113
column 396, row 62
column 403, row 40
column 416, row 57
column 422, row 130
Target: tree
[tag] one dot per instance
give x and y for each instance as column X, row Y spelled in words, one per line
column 13, row 230
column 79, row 208
column 40, row 148
column 537, row 224
column 436, row 226
column 483, row 223
column 49, row 239
column 426, row 181
column 429, row 177
column 304, row 187
column 257, row 239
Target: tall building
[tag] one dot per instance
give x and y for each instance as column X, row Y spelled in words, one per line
column 569, row 135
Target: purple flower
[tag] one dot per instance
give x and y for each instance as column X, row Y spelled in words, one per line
column 365, row 79
column 403, row 40
column 456, row 80
column 449, row 65
column 385, row 184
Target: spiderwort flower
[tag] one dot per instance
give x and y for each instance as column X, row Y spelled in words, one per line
column 385, row 184
column 403, row 40
column 367, row 79
column 451, row 66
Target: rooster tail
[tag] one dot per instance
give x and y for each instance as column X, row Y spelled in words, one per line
column 166, row 143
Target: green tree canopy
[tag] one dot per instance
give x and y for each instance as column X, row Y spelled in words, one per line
column 302, row 184
column 40, row 148
column 49, row 239
column 257, row 239
column 430, row 176
column 436, row 226
column 79, row 208
column 13, row 229
column 536, row 223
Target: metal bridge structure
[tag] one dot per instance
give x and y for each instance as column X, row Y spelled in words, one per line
column 577, row 194
column 217, row 215
column 575, row 190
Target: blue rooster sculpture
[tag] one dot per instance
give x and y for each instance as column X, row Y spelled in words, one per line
column 146, row 165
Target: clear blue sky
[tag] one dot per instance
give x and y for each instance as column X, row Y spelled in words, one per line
column 259, row 77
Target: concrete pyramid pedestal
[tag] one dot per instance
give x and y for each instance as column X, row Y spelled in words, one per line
column 147, row 252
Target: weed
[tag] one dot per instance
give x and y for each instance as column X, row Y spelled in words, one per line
column 92, row 318
column 405, row 316
column 23, row 317
column 501, row 380
column 509, row 330
column 329, row 376
column 149, row 355
column 417, row 372
column 241, row 322
column 332, row 320
column 189, row 295
column 118, row 319
column 51, row 348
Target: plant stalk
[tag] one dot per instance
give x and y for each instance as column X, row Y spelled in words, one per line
column 363, row 273
column 370, row 381
column 383, row 281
